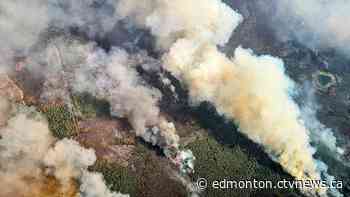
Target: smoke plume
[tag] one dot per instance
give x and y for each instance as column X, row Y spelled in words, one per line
column 110, row 76
column 68, row 159
column 93, row 185
column 20, row 138
column 30, row 157
column 21, row 23
column 317, row 23
column 93, row 17
column 169, row 21
column 252, row 90
column 319, row 133
column 114, row 78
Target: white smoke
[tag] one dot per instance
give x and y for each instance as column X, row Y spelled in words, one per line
column 68, row 160
column 21, row 23
column 25, row 132
column 238, row 88
column 93, row 185
column 316, row 23
column 24, row 143
column 26, row 150
column 77, row 67
column 210, row 21
column 110, row 76
column 113, row 76
column 24, row 25
column 252, row 90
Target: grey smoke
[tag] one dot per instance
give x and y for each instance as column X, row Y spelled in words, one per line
column 190, row 37
column 21, row 23
column 93, row 17
column 77, row 67
column 319, row 133
column 321, row 136
column 319, row 24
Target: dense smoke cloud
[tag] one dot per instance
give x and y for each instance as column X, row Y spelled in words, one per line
column 210, row 21
column 238, row 89
column 252, row 90
column 21, row 23
column 77, row 67
column 116, row 76
column 113, row 77
column 93, row 17
column 93, row 185
column 316, row 23
column 28, row 156
column 20, row 137
column 24, row 23
column 67, row 66
column 243, row 88
column 68, row 159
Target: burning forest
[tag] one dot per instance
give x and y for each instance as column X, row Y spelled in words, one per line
column 114, row 98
